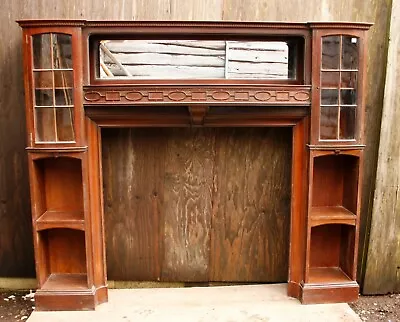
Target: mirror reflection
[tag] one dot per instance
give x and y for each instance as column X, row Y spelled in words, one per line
column 196, row 59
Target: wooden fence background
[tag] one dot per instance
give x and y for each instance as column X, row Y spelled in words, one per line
column 16, row 251
column 382, row 273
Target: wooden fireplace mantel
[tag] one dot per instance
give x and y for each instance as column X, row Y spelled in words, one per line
column 69, row 100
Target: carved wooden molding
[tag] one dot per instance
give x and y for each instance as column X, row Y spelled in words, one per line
column 298, row 95
column 192, row 24
column 197, row 113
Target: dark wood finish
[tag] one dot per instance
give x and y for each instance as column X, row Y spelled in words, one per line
column 77, row 81
column 197, row 113
column 333, row 293
column 94, row 215
column 331, row 214
column 65, row 282
column 134, row 202
column 61, row 219
column 65, row 241
column 251, row 206
column 223, row 94
column 184, row 195
column 321, row 275
column 62, row 184
column 188, row 190
column 327, row 220
column 334, row 199
column 324, row 238
column 298, row 233
column 335, row 182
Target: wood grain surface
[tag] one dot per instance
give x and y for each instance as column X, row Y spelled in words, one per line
column 251, row 205
column 193, row 59
column 188, row 181
column 133, row 163
column 383, row 265
column 67, row 241
column 16, row 250
column 215, row 204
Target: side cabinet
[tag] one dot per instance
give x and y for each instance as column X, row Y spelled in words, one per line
column 335, row 165
column 65, row 242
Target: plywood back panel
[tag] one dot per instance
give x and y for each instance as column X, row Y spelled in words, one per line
column 133, row 162
column 188, row 182
column 251, row 205
column 214, row 204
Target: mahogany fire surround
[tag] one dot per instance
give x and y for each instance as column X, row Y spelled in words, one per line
column 327, row 154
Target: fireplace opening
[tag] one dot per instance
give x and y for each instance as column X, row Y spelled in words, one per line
column 197, row 205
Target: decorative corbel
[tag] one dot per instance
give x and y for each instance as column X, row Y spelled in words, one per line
column 197, row 114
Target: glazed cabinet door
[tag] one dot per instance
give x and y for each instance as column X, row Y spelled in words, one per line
column 53, row 87
column 337, row 110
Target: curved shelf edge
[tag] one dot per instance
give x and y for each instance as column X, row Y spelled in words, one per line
column 61, row 219
column 331, row 215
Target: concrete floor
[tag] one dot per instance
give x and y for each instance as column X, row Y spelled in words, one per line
column 216, row 304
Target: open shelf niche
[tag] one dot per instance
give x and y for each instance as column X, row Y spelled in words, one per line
column 63, row 272
column 59, row 183
column 334, row 189
column 60, row 236
column 332, row 226
column 332, row 254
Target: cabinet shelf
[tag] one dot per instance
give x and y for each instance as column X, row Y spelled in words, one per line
column 61, row 219
column 332, row 254
column 65, row 282
column 328, row 275
column 53, row 87
column 331, row 215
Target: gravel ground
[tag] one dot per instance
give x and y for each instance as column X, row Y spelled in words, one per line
column 16, row 305
column 378, row 308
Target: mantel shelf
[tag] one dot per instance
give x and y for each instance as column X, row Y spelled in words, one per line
column 61, row 219
column 331, row 215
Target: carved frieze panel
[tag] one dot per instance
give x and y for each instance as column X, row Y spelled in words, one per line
column 295, row 95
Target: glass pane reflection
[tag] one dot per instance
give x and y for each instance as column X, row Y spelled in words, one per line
column 348, row 97
column 329, row 97
column 41, row 51
column 329, row 122
column 63, row 78
column 44, row 97
column 347, row 121
column 330, row 52
column 349, row 52
column 62, row 51
column 349, row 80
column 65, row 121
column 53, row 87
column 63, row 97
column 330, row 79
column 44, row 124
column 43, row 79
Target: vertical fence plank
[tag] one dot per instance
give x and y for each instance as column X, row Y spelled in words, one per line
column 383, row 261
